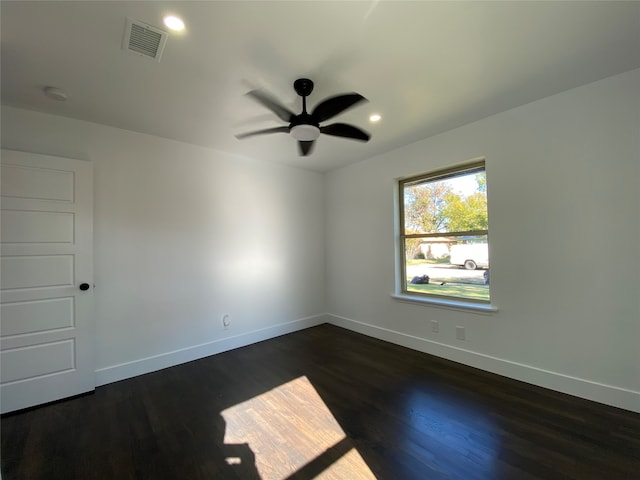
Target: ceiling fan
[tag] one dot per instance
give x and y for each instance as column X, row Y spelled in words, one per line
column 305, row 127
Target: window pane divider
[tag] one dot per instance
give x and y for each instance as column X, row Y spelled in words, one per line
column 471, row 233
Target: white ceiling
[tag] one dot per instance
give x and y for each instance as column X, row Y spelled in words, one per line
column 426, row 67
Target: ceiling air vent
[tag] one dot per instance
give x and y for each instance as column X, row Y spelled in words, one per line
column 144, row 40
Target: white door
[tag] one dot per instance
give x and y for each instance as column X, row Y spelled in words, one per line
column 46, row 325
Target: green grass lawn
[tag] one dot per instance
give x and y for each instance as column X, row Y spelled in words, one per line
column 475, row 292
column 422, row 261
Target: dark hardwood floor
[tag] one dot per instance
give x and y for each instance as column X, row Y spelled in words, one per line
column 322, row 403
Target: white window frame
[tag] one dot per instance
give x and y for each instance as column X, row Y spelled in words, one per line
column 401, row 293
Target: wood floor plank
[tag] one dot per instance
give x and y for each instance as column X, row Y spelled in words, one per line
column 322, row 403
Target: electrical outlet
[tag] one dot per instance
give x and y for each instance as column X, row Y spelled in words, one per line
column 435, row 326
column 226, row 321
column 460, row 334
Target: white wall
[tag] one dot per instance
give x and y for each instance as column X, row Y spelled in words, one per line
column 181, row 239
column 564, row 226
column 184, row 235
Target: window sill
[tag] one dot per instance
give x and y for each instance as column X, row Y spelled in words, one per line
column 483, row 308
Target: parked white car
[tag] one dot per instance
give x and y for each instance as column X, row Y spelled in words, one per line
column 470, row 256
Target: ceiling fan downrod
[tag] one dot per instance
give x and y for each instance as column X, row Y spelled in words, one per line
column 303, row 128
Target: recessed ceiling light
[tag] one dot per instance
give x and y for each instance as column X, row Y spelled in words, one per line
column 375, row 118
column 173, row 22
column 54, row 94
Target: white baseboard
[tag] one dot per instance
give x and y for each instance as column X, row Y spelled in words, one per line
column 579, row 387
column 134, row 368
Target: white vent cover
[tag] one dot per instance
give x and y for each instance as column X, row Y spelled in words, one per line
column 144, row 40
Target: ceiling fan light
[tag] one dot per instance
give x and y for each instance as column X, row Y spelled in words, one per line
column 305, row 133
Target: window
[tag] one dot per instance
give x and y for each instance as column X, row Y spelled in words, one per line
column 444, row 234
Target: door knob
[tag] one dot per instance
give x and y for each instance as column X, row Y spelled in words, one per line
column 84, row 286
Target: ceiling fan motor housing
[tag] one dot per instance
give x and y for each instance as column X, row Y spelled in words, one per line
column 303, row 127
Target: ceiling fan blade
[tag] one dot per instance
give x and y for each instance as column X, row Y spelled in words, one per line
column 333, row 106
column 272, row 104
column 305, row 147
column 264, row 131
column 346, row 131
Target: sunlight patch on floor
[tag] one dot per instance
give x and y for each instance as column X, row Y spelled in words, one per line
column 289, row 429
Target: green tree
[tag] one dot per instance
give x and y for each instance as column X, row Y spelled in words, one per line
column 466, row 213
column 470, row 212
column 412, row 247
column 424, row 205
column 481, row 178
column 434, row 207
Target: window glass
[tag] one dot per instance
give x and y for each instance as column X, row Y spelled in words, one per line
column 444, row 233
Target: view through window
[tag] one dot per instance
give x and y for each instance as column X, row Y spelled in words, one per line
column 444, row 233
